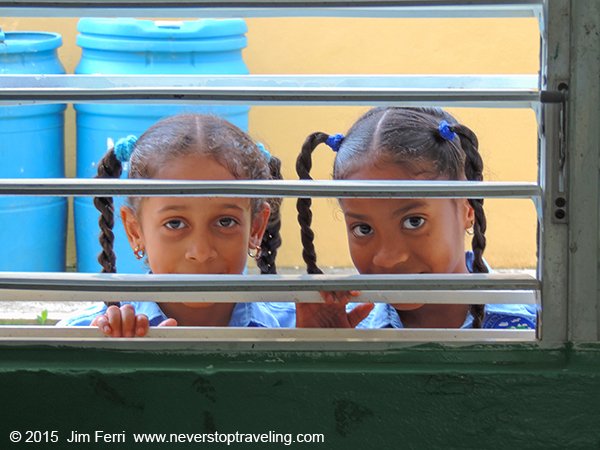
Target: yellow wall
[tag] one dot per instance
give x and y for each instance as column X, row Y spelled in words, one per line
column 368, row 46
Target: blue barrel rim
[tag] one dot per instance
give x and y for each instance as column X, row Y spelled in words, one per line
column 17, row 111
column 122, row 34
column 101, row 109
column 30, row 41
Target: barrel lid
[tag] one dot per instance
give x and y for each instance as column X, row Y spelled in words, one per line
column 134, row 35
column 29, row 41
column 162, row 29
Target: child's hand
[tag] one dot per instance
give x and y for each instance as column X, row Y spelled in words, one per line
column 333, row 313
column 123, row 322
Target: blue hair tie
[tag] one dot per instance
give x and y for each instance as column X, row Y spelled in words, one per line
column 124, row 148
column 445, row 131
column 335, row 141
column 264, row 151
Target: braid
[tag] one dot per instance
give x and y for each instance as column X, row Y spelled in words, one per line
column 109, row 167
column 271, row 240
column 303, row 166
column 474, row 172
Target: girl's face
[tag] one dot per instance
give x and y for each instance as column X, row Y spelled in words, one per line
column 405, row 236
column 195, row 235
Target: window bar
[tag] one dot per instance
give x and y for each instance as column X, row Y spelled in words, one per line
column 277, row 8
column 427, row 288
column 471, row 90
column 261, row 338
column 525, row 297
column 254, row 188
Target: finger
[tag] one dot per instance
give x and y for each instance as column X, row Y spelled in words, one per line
column 127, row 321
column 345, row 296
column 102, row 323
column 113, row 314
column 168, row 323
column 359, row 313
column 141, row 325
column 338, row 296
column 327, row 296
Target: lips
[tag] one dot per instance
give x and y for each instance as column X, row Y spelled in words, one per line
column 198, row 273
column 395, row 273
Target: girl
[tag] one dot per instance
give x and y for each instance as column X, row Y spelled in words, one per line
column 395, row 236
column 192, row 235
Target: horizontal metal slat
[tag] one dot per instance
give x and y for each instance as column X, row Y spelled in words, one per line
column 255, row 283
column 271, row 188
column 463, row 297
column 277, row 8
column 259, row 338
column 413, row 288
column 518, row 91
column 470, row 90
column 519, row 82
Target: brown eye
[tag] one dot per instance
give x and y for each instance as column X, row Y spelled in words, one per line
column 413, row 223
column 362, row 230
column 227, row 222
column 175, row 224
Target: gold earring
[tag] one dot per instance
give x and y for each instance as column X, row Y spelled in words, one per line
column 139, row 252
column 254, row 252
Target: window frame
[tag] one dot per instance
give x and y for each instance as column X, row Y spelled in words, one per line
column 566, row 293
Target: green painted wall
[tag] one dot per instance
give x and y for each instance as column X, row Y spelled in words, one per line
column 424, row 397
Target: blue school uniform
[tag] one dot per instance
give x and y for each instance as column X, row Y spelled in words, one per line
column 262, row 315
column 495, row 316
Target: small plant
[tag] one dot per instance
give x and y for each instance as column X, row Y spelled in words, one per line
column 43, row 317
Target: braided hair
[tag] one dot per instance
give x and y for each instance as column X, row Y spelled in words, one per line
column 411, row 138
column 303, row 166
column 184, row 135
column 271, row 240
column 108, row 167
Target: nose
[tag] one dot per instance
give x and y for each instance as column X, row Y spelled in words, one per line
column 392, row 256
column 200, row 249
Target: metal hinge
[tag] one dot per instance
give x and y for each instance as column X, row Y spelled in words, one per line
column 559, row 194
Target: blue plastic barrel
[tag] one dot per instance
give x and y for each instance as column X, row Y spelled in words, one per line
column 33, row 230
column 131, row 46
